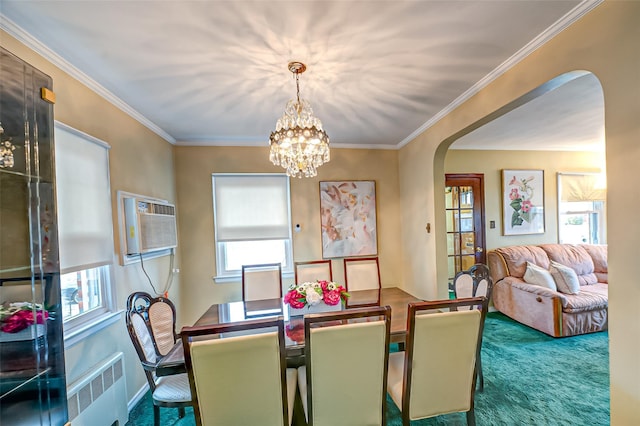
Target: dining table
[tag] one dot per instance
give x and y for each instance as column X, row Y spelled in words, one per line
column 230, row 312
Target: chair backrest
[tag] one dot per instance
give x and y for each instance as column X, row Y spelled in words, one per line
column 474, row 282
column 312, row 271
column 347, row 351
column 159, row 315
column 361, row 273
column 440, row 357
column 261, row 282
column 238, row 378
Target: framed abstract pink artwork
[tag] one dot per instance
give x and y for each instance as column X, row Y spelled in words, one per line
column 348, row 218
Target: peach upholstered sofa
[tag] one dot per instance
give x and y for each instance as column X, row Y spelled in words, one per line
column 553, row 312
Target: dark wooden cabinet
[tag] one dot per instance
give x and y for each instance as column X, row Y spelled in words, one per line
column 32, row 375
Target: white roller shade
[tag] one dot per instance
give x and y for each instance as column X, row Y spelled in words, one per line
column 84, row 200
column 582, row 187
column 251, row 207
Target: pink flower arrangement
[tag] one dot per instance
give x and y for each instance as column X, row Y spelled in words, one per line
column 313, row 293
column 18, row 316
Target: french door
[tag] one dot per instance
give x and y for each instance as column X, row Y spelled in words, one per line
column 464, row 204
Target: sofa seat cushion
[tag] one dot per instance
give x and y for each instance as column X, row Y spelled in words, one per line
column 591, row 297
column 574, row 256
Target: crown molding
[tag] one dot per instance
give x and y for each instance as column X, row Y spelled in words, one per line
column 37, row 46
column 572, row 16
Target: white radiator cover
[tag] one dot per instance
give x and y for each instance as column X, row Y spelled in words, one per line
column 99, row 398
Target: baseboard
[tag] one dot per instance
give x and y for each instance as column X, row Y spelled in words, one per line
column 137, row 397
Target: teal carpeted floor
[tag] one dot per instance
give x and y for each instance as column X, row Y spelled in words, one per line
column 530, row 379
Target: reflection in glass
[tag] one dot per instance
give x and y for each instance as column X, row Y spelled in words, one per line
column 468, row 245
column 466, row 197
column 466, row 220
column 467, row 261
column 448, row 197
column 450, row 220
column 450, row 244
column 451, row 266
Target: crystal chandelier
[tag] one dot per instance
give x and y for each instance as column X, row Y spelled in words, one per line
column 299, row 144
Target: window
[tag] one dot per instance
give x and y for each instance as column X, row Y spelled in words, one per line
column 581, row 208
column 85, row 229
column 252, row 221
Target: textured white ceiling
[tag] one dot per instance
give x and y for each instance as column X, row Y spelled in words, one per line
column 214, row 72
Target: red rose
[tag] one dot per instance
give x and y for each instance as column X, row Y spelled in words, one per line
column 332, row 297
column 323, row 285
column 295, row 299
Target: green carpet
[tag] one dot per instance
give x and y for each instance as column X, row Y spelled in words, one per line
column 530, row 379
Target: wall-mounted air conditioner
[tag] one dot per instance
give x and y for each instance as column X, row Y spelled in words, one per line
column 150, row 225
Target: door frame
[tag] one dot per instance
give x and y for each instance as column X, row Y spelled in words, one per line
column 478, row 206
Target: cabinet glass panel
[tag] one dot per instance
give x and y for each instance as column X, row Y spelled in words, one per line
column 32, row 377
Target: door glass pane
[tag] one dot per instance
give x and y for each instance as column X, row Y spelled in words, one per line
column 468, row 262
column 450, row 244
column 448, row 197
column 456, row 244
column 466, row 196
column 466, row 220
column 451, row 267
column 468, row 243
column 450, row 220
column 455, row 192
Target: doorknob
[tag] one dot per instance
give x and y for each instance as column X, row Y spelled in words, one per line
column 479, row 249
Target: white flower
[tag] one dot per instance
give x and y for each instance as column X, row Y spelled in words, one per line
column 331, row 286
column 313, row 298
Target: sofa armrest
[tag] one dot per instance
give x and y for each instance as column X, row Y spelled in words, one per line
column 535, row 306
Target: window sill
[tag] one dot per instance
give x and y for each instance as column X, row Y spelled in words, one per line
column 80, row 333
column 238, row 278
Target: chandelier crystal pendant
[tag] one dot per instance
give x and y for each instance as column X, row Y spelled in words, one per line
column 299, row 144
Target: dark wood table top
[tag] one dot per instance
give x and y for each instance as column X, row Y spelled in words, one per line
column 394, row 297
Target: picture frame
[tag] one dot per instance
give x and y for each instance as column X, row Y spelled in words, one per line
column 522, row 202
column 348, row 218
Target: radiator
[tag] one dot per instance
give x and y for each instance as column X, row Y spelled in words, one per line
column 99, row 398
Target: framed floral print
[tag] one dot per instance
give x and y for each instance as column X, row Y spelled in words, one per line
column 348, row 218
column 522, row 202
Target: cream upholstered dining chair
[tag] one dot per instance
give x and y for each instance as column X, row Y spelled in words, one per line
column 343, row 381
column 312, row 271
column 436, row 374
column 475, row 282
column 239, row 378
column 151, row 324
column 361, row 273
column 261, row 282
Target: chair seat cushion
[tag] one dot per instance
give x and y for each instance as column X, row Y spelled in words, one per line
column 174, row 388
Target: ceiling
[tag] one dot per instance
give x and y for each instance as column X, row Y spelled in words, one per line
column 378, row 72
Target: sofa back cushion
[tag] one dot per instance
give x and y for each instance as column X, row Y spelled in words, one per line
column 598, row 254
column 574, row 256
column 516, row 258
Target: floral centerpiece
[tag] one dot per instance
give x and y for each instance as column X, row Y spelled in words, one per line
column 17, row 316
column 315, row 294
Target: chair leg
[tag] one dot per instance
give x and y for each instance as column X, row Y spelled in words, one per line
column 471, row 417
column 156, row 415
column 180, row 412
